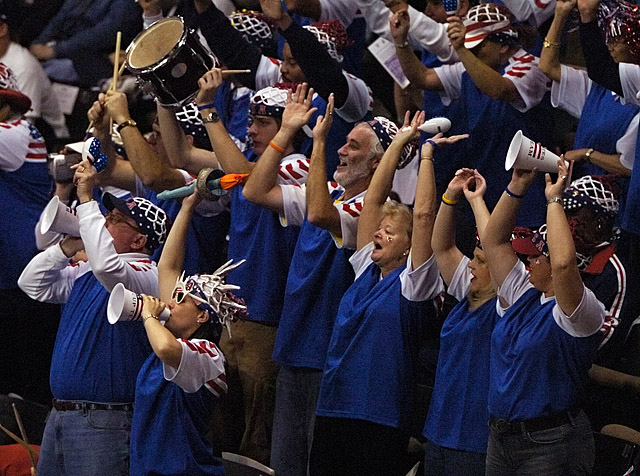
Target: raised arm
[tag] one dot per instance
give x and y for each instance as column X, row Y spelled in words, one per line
column 155, row 173
column 488, row 80
column 262, row 187
column 497, row 238
column 229, row 156
column 550, row 56
column 567, row 283
column 382, row 181
column 417, row 73
column 320, row 209
column 447, row 254
column 181, row 151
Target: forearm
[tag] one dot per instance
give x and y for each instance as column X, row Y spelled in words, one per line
column 323, row 73
column 424, row 214
column 614, row 379
column 43, row 278
column 163, row 343
column 413, row 69
column 320, row 209
column 610, row 162
column 229, row 156
column 481, row 215
column 382, row 180
column 600, row 65
column 550, row 55
column 488, row 80
column 173, row 138
column 172, row 258
column 229, row 45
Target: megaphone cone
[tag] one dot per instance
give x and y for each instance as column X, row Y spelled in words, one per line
column 527, row 154
column 125, row 305
column 59, row 218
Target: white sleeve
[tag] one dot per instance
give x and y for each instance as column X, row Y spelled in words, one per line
column 513, row 287
column 341, row 10
column 533, row 11
column 423, row 282
column 359, row 100
column 586, row 320
column 530, row 82
column 294, row 170
column 49, row 277
column 202, row 363
column 450, row 76
column 294, row 201
column 349, row 216
column 571, row 92
column 268, row 72
column 461, row 280
column 225, row 6
column 630, row 80
column 431, row 35
column 148, row 21
column 14, row 146
column 626, row 145
column 361, row 259
column 110, row 267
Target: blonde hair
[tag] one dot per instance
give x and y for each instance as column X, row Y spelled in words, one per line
column 400, row 213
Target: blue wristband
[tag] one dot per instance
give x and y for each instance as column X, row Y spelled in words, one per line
column 511, row 194
column 435, row 146
column 206, row 106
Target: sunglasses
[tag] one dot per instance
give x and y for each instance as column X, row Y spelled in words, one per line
column 180, row 291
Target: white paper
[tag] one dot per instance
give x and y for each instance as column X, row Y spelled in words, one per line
column 66, row 96
column 385, row 52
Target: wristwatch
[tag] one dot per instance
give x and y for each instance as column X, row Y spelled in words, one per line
column 212, row 117
column 127, row 123
column 587, row 155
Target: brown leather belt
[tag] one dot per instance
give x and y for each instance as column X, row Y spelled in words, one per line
column 71, row 405
column 505, row 427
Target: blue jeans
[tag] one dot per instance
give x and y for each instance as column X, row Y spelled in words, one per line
column 295, row 414
column 441, row 461
column 566, row 450
column 91, row 443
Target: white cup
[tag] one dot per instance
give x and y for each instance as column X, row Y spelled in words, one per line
column 59, row 218
column 527, row 154
column 125, row 305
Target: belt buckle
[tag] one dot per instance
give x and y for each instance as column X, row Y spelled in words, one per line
column 501, row 425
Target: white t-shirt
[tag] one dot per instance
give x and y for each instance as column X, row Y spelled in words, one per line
column 570, row 95
column 202, row 363
column 522, row 71
column 534, row 11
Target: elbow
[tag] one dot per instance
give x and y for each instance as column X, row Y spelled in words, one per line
column 317, row 218
column 562, row 266
column 249, row 193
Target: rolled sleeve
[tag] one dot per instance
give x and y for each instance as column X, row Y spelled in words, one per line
column 422, row 283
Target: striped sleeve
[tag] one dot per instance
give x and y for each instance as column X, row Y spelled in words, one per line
column 20, row 142
column 530, row 82
column 349, row 215
column 294, row 170
column 202, row 364
column 612, row 316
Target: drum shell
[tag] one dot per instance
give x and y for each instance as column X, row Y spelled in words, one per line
column 173, row 80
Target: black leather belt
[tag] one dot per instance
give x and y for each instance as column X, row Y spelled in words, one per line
column 70, row 405
column 505, row 427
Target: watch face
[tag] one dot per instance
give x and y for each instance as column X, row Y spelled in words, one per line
column 212, row 117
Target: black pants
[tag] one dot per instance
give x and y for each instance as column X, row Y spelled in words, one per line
column 356, row 447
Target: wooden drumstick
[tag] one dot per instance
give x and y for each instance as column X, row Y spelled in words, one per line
column 115, row 81
column 116, row 68
column 23, row 433
column 226, row 72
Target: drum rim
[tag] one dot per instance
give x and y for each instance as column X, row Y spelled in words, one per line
column 171, row 55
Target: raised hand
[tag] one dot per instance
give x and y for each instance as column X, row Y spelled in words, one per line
column 553, row 190
column 588, row 10
column 399, row 26
column 298, row 110
column 152, row 305
column 84, row 179
column 456, row 186
column 208, row 84
column 116, row 104
column 273, row 9
column 409, row 130
column 564, row 7
column 479, row 187
column 456, row 31
column 99, row 116
column 323, row 123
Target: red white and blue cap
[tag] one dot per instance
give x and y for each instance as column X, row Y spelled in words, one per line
column 528, row 242
column 257, row 28
column 386, row 130
column 151, row 219
column 10, row 92
column 487, row 19
column 270, row 101
column 333, row 36
column 599, row 193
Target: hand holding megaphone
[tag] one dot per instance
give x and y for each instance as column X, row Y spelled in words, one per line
column 527, row 154
column 125, row 305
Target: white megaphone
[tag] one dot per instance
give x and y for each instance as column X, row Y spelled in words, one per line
column 527, row 154
column 59, row 218
column 125, row 305
column 436, row 125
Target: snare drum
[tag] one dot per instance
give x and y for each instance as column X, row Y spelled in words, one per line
column 168, row 60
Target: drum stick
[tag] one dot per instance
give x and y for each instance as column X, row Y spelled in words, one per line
column 226, row 72
column 116, row 68
column 23, row 433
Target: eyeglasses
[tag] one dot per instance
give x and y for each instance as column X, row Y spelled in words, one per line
column 180, row 291
column 116, row 219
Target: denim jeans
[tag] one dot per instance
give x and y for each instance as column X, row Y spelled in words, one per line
column 91, row 443
column 296, row 399
column 441, row 461
column 566, row 450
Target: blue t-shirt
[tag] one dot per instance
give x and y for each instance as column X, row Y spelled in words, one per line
column 537, row 368
column 168, row 427
column 256, row 235
column 458, row 416
column 92, row 359
column 319, row 275
column 369, row 372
